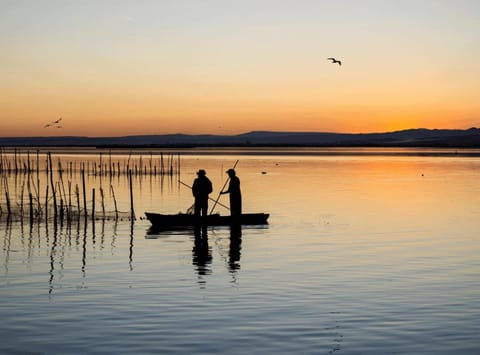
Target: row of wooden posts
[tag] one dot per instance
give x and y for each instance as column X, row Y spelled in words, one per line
column 29, row 162
column 67, row 205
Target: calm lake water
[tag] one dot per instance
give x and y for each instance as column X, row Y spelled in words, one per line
column 366, row 252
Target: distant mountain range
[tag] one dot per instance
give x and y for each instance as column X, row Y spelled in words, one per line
column 405, row 138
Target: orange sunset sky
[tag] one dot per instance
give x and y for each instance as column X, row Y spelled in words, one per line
column 117, row 67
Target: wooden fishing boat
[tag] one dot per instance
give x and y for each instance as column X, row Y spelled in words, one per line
column 159, row 220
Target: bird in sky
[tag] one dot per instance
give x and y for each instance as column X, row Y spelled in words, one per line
column 55, row 123
column 339, row 62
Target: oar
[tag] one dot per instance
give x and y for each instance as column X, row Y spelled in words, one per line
column 221, row 204
column 223, row 188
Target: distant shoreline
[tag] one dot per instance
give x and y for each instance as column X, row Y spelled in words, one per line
column 410, row 138
column 252, row 151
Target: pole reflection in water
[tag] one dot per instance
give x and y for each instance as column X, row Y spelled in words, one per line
column 130, row 254
column 102, row 234
column 6, row 245
column 52, row 258
column 84, row 248
column 114, row 236
column 201, row 253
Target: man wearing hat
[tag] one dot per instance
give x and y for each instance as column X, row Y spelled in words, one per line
column 201, row 188
column 235, row 194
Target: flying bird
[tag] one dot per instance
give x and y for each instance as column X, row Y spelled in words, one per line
column 334, row 61
column 55, row 123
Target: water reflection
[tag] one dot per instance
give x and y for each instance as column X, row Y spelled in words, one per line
column 52, row 259
column 383, row 246
column 336, row 332
column 84, row 248
column 130, row 249
column 201, row 253
column 235, row 248
column 22, row 246
column 7, row 245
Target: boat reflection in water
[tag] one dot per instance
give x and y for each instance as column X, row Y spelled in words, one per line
column 202, row 251
column 202, row 256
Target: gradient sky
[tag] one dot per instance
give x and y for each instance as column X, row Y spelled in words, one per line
column 117, row 67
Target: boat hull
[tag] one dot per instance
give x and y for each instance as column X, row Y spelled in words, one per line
column 187, row 220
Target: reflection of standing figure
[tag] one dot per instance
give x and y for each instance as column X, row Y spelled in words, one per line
column 201, row 253
column 235, row 247
column 235, row 194
column 201, row 188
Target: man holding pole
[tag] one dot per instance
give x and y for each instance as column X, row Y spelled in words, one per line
column 235, row 194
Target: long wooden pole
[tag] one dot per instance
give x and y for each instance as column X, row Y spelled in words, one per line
column 223, row 188
column 46, row 203
column 55, row 210
column 9, row 210
column 103, row 203
column 77, row 193
column 219, row 203
column 38, row 184
column 84, row 196
column 93, row 204
column 30, row 200
column 132, row 211
column 115, row 202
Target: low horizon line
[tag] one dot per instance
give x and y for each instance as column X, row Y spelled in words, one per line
column 247, row 132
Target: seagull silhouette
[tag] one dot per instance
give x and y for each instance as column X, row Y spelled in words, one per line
column 335, row 61
column 54, row 124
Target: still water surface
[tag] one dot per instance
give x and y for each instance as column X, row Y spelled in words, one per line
column 364, row 254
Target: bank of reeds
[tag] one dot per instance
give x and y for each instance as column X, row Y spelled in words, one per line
column 60, row 199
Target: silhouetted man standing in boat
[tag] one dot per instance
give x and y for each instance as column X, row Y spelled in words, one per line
column 201, row 188
column 235, row 194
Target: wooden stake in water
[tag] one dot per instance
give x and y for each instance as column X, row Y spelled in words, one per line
column 93, row 204
column 28, row 162
column 30, row 197
column 162, row 168
column 110, row 162
column 15, row 157
column 132, row 212
column 46, row 204
column 9, row 210
column 69, row 209
column 103, row 203
column 115, row 203
column 55, row 211
column 38, row 183
column 84, row 195
column 77, row 193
